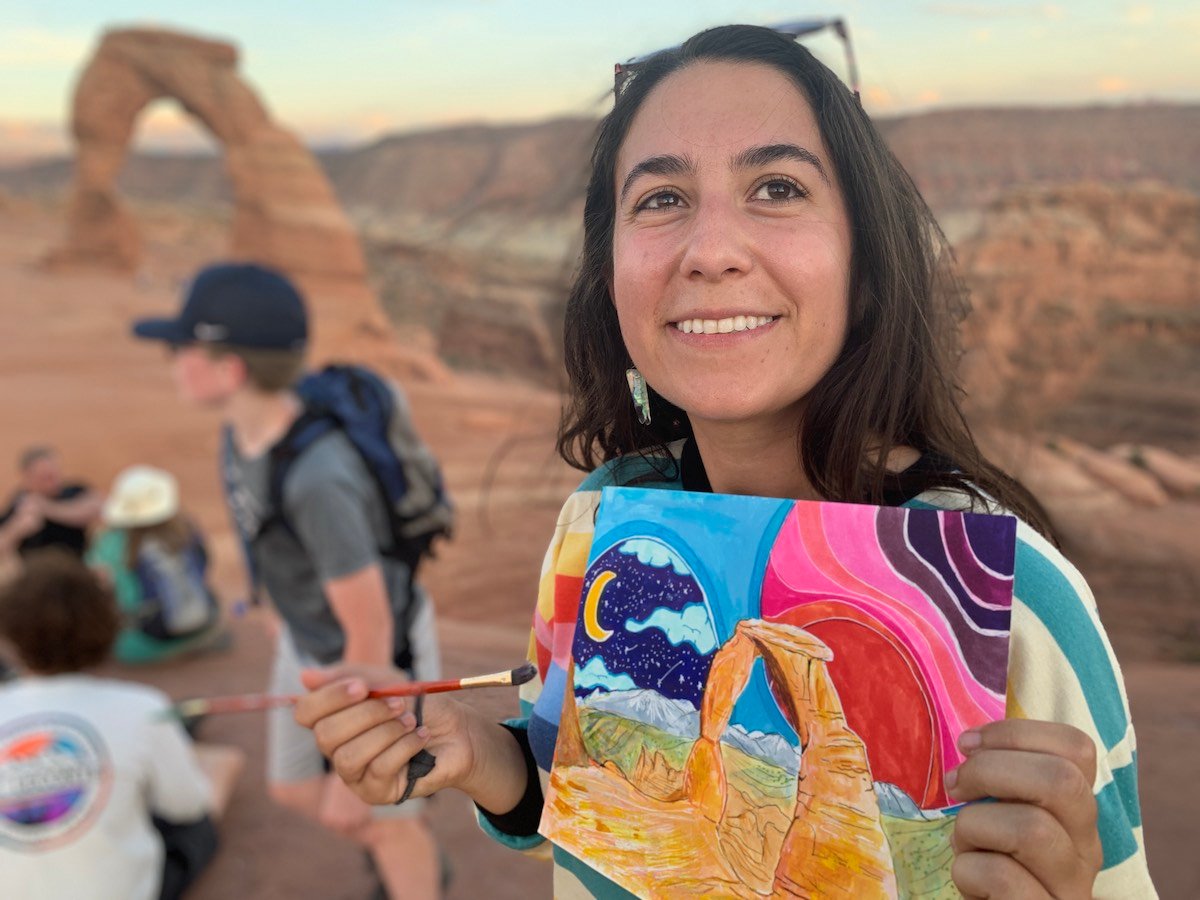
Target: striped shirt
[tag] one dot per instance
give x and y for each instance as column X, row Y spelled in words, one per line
column 1061, row 669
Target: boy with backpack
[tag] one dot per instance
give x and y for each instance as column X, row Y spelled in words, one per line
column 336, row 501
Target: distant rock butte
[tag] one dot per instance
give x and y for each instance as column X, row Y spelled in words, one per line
column 285, row 212
column 1078, row 280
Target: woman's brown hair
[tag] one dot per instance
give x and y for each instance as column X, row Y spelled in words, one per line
column 893, row 383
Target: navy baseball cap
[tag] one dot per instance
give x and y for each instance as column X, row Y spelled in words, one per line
column 238, row 304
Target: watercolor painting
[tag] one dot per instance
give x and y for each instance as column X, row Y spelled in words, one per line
column 767, row 693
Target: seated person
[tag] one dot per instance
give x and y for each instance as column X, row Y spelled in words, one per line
column 99, row 785
column 47, row 510
column 155, row 558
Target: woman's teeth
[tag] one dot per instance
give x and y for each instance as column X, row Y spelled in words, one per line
column 722, row 326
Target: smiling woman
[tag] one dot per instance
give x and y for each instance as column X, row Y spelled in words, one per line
column 757, row 257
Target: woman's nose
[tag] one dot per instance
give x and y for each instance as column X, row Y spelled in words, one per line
column 716, row 245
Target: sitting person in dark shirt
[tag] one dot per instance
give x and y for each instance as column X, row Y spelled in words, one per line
column 47, row 510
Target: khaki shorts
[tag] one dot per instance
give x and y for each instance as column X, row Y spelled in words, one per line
column 292, row 752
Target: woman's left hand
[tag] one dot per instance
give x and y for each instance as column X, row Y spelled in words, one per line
column 1040, row 838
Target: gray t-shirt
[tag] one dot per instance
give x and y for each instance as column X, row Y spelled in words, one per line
column 340, row 527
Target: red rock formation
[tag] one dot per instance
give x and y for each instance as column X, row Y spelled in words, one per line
column 1065, row 282
column 1134, row 484
column 285, row 212
column 1178, row 475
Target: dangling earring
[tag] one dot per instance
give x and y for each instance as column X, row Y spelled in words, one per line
column 641, row 395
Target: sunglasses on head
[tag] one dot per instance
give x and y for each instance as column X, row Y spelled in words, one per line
column 796, row 29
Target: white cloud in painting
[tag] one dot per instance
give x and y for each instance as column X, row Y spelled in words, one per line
column 655, row 554
column 595, row 674
column 691, row 624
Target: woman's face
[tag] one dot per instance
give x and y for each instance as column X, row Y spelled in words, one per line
column 731, row 245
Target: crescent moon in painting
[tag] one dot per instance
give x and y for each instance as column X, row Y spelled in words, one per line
column 591, row 608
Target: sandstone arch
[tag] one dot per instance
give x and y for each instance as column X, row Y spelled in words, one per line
column 285, row 212
column 835, row 844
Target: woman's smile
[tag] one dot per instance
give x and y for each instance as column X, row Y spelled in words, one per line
column 718, row 324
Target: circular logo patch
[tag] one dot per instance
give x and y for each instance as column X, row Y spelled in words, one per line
column 54, row 778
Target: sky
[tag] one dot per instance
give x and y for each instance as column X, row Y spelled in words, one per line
column 345, row 72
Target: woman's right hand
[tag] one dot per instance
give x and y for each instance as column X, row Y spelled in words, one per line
column 370, row 741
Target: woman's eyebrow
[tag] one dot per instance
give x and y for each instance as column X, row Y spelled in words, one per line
column 667, row 164
column 757, row 157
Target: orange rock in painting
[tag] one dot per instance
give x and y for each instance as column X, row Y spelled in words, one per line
column 569, row 749
column 716, row 822
column 835, row 845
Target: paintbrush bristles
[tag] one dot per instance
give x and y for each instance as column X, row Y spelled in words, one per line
column 524, row 673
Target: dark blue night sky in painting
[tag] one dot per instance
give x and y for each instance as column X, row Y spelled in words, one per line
column 650, row 598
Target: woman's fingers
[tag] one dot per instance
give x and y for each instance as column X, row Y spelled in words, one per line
column 1044, row 823
column 319, row 678
column 1048, row 764
column 342, row 725
column 994, row 875
column 1054, row 738
column 325, row 701
column 387, row 773
column 1046, row 781
column 1030, row 835
column 372, row 736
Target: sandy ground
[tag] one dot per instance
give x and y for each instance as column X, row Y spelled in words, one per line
column 69, row 375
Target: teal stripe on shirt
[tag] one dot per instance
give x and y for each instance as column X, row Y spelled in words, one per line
column 1114, row 802
column 1126, row 781
column 593, row 882
column 1045, row 590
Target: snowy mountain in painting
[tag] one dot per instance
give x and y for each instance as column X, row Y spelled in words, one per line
column 677, row 717
column 894, row 802
column 680, row 718
column 769, row 747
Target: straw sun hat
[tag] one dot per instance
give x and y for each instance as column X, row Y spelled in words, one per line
column 141, row 495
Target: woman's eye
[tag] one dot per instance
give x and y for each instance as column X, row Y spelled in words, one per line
column 661, row 200
column 778, row 190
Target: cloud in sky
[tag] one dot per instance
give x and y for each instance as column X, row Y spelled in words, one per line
column 657, row 555
column 878, row 99
column 691, row 624
column 595, row 674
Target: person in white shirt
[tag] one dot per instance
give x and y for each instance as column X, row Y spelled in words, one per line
column 102, row 794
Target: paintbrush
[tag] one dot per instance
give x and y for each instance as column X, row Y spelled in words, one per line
column 207, row 706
